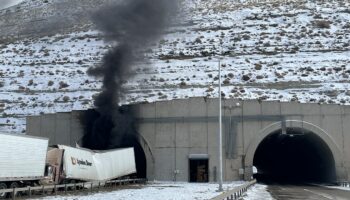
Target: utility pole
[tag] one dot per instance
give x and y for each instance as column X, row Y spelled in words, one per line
column 220, row 132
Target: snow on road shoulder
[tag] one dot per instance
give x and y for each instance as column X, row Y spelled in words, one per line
column 158, row 191
column 339, row 187
column 258, row 192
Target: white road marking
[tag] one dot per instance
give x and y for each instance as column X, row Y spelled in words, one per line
column 320, row 194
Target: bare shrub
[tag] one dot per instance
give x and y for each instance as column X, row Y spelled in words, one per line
column 66, row 98
column 30, row 82
column 50, row 83
column 63, row 85
column 183, row 84
column 321, row 24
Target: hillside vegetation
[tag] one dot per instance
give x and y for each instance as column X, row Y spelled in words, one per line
column 287, row 51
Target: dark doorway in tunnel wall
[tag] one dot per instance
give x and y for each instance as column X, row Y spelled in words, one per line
column 199, row 170
column 297, row 157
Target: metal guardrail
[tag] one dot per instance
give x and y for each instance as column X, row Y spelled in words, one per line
column 235, row 193
column 55, row 189
column 344, row 184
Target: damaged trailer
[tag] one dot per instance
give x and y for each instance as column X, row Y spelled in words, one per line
column 67, row 164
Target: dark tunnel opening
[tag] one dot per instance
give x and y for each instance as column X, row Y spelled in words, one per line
column 103, row 139
column 140, row 157
column 297, row 157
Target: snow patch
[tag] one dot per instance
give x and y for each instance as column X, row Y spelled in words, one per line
column 339, row 188
column 158, row 191
column 258, row 192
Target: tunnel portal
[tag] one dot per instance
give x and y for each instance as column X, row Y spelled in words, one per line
column 298, row 156
column 105, row 138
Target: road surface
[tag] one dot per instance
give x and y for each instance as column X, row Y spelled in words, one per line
column 295, row 192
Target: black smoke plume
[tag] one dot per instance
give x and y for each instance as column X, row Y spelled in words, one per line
column 130, row 25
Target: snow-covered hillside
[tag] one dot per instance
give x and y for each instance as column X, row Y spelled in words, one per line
column 294, row 51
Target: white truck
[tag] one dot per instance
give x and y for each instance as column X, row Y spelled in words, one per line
column 22, row 160
column 26, row 161
column 67, row 164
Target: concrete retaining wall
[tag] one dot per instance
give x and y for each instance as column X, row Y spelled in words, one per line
column 172, row 130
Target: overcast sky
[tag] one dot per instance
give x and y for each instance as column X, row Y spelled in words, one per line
column 8, row 3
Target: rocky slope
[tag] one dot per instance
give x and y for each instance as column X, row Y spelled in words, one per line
column 294, row 51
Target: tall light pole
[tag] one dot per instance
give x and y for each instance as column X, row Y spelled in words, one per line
column 220, row 132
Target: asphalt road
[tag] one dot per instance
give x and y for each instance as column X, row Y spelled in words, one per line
column 294, row 192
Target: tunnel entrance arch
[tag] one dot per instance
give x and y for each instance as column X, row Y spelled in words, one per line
column 270, row 136
column 149, row 157
column 143, row 153
column 107, row 135
column 297, row 156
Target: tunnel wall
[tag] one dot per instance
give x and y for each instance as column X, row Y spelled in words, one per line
column 173, row 130
column 60, row 128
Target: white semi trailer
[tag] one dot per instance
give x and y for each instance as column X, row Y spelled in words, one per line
column 67, row 164
column 22, row 160
column 26, row 161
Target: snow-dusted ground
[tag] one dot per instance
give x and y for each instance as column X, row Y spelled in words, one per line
column 339, row 187
column 257, row 192
column 158, row 191
column 294, row 51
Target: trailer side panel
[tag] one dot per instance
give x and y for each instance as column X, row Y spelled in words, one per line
column 83, row 164
column 114, row 164
column 78, row 164
column 22, row 158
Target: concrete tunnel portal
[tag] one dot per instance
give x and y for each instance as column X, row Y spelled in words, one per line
column 313, row 148
column 106, row 138
column 297, row 156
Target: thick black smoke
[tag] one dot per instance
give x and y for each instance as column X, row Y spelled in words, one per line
column 130, row 25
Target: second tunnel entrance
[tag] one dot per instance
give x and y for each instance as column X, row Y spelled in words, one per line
column 298, row 156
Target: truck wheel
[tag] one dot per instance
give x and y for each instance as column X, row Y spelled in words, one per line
column 2, row 187
column 15, row 185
